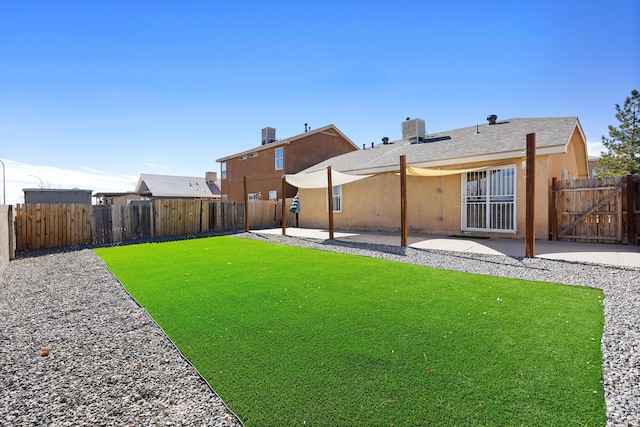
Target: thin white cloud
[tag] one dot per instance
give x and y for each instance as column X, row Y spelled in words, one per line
column 21, row 175
column 594, row 148
column 90, row 170
column 154, row 165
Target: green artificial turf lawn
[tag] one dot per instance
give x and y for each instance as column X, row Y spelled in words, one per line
column 290, row 336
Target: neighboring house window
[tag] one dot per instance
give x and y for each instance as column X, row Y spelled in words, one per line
column 224, row 198
column 254, row 197
column 279, row 158
column 337, row 199
column 273, row 195
column 488, row 200
column 223, row 170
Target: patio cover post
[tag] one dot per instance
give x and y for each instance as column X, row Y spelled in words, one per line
column 403, row 200
column 554, row 209
column 330, row 197
column 284, row 207
column 530, row 209
column 246, row 204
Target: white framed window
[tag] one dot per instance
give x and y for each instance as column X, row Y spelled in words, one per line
column 244, row 157
column 273, row 195
column 254, row 197
column 252, row 155
column 223, row 170
column 488, row 200
column 337, row 199
column 224, row 198
column 279, row 158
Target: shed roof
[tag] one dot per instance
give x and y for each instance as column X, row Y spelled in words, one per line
column 176, row 186
column 504, row 140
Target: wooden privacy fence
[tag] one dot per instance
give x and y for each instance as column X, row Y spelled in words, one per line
column 598, row 210
column 58, row 225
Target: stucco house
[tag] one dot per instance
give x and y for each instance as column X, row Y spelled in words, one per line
column 264, row 165
column 463, row 181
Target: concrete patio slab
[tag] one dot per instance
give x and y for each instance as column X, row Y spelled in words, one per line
column 609, row 254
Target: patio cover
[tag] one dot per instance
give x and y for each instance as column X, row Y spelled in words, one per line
column 319, row 179
column 413, row 171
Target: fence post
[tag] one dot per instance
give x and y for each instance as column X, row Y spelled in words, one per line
column 12, row 234
column 631, row 206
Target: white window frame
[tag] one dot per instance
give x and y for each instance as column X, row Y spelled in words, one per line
column 490, row 200
column 273, row 195
column 337, row 199
column 254, row 197
column 279, row 158
column 223, row 170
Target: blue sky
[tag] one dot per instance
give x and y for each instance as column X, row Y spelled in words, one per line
column 94, row 93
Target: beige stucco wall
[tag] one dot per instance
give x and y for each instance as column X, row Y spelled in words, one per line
column 374, row 203
column 541, row 198
column 575, row 160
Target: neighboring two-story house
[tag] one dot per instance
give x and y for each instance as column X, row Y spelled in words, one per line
column 265, row 165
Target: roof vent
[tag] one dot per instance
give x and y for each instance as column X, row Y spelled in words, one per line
column 385, row 140
column 413, row 129
column 492, row 119
column 268, row 135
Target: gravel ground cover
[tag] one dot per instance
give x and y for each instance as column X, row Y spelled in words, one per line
column 75, row 349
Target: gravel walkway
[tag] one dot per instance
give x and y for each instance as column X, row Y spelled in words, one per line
column 110, row 364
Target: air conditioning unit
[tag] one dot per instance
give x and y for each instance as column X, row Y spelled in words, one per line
column 268, row 135
column 413, row 129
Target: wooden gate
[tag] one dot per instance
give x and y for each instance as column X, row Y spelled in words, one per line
column 598, row 210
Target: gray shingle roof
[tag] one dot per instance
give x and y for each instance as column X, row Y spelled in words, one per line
column 176, row 186
column 289, row 140
column 503, row 140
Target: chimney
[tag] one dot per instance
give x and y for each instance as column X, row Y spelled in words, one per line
column 211, row 177
column 492, row 119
